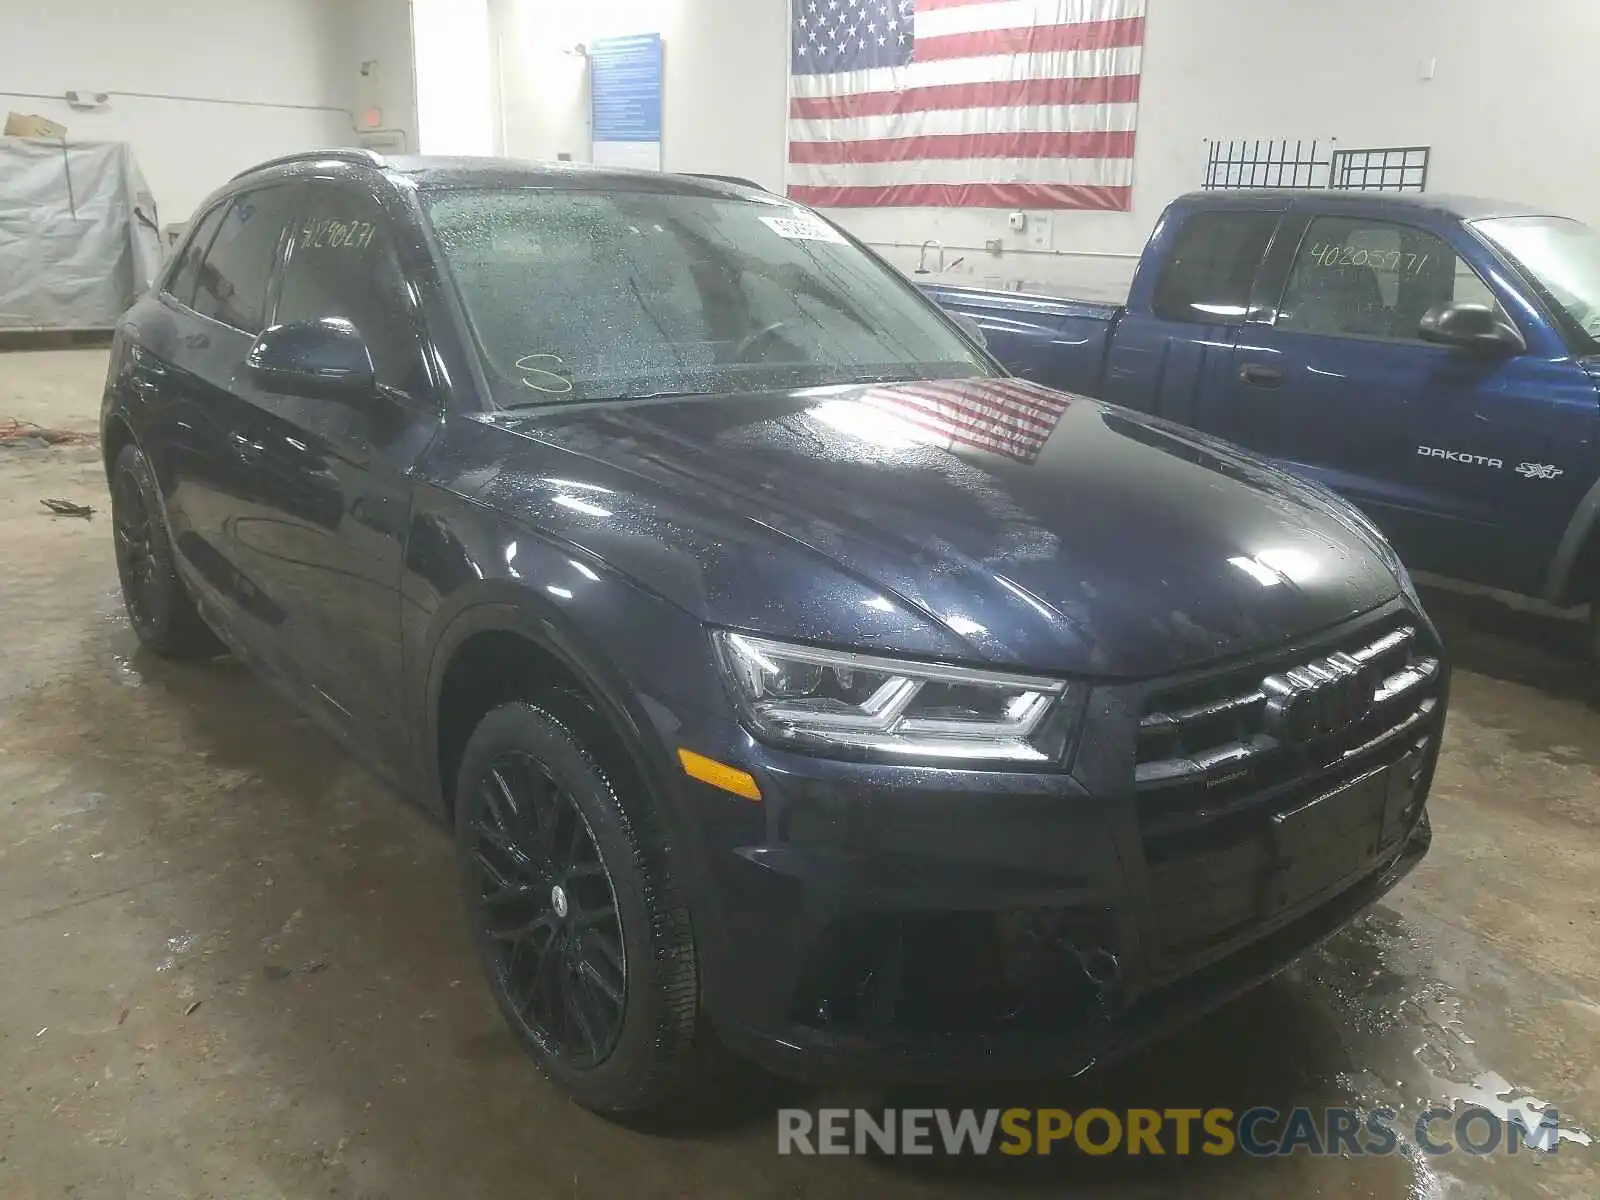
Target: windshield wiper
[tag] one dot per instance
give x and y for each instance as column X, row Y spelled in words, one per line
column 893, row 377
column 660, row 395
column 624, row 398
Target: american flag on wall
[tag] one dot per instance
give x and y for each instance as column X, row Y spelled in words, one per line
column 964, row 103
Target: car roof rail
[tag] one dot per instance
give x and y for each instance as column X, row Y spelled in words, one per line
column 733, row 179
column 352, row 154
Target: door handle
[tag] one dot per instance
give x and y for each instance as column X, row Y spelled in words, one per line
column 1260, row 375
column 246, row 449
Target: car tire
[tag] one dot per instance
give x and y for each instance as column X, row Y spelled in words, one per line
column 579, row 924
column 158, row 603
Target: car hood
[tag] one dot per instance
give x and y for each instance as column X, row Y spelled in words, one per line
column 1024, row 525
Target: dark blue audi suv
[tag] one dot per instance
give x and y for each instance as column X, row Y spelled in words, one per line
column 794, row 680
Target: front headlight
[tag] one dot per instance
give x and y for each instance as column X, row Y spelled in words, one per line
column 862, row 705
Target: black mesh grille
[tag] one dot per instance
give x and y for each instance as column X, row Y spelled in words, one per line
column 1214, row 731
column 1225, row 788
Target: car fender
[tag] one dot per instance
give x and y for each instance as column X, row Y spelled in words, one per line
column 507, row 606
column 503, row 606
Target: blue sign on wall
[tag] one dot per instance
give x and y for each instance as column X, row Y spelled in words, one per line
column 625, row 96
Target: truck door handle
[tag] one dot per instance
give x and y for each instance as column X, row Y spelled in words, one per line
column 1260, row 375
column 245, row 448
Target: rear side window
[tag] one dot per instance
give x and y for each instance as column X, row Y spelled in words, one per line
column 1213, row 267
column 232, row 287
column 186, row 271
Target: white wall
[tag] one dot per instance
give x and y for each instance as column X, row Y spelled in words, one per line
column 261, row 56
column 379, row 70
column 725, row 93
column 1510, row 111
column 454, row 77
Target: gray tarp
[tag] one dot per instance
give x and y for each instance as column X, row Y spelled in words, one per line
column 78, row 234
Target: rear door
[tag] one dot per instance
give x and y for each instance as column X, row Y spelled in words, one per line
column 1169, row 359
column 188, row 373
column 325, row 537
column 1435, row 443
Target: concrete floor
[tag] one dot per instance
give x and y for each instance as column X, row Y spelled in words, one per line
column 231, row 964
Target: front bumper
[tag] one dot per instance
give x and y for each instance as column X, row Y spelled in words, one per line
column 1087, row 1035
column 889, row 923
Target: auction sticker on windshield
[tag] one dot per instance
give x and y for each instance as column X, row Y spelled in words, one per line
column 805, row 229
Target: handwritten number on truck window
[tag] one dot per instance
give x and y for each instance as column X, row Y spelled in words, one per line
column 1380, row 260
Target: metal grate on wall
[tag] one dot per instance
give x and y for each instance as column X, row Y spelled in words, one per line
column 1266, row 163
column 1284, row 163
column 1395, row 169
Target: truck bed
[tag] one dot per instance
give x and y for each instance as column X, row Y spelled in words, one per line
column 1055, row 340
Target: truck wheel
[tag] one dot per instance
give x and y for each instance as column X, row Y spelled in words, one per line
column 159, row 605
column 578, row 922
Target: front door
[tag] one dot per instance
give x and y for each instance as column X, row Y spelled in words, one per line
column 325, row 542
column 1460, row 456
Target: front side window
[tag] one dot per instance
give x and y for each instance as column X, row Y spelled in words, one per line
column 1562, row 256
column 1213, row 267
column 1355, row 277
column 232, row 282
column 577, row 296
column 342, row 264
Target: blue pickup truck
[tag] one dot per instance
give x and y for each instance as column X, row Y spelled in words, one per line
column 1435, row 359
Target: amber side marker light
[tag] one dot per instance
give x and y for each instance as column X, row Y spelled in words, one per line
column 718, row 775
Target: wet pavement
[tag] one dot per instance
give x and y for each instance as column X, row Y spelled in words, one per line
column 232, row 964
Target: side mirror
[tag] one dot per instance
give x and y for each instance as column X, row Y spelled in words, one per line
column 325, row 359
column 1471, row 327
column 971, row 328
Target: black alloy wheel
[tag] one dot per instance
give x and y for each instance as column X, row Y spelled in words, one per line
column 549, row 909
column 159, row 606
column 579, row 920
column 136, row 563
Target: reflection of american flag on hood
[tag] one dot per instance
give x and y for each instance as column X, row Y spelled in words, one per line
column 1004, row 416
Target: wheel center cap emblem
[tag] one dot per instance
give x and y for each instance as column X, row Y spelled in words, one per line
column 558, row 900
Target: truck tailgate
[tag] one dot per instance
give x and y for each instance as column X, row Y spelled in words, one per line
column 1051, row 340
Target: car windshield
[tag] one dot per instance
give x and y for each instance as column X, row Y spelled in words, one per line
column 1562, row 255
column 576, row 296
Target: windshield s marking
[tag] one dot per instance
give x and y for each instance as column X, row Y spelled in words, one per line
column 544, row 379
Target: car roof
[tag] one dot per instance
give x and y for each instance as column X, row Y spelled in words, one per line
column 433, row 171
column 1463, row 208
column 437, row 171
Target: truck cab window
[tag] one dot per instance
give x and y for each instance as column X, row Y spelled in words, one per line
column 1213, row 267
column 1355, row 277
